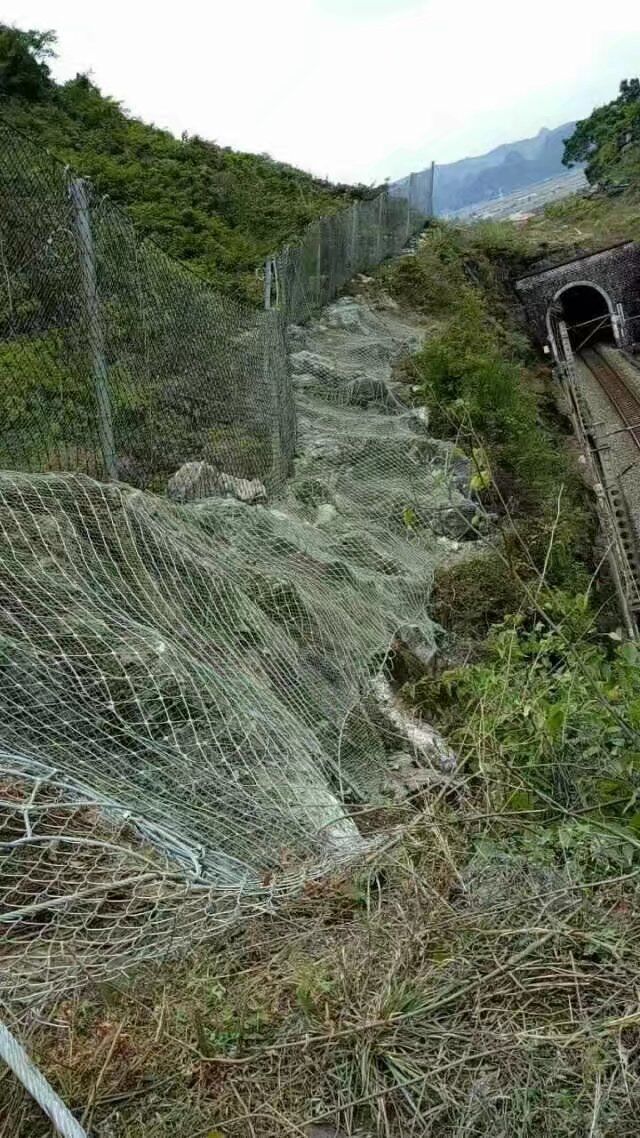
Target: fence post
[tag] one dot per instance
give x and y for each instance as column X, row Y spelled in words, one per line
column 381, row 198
column 431, row 187
column 319, row 264
column 82, row 221
column 267, row 282
column 410, row 200
column 353, row 238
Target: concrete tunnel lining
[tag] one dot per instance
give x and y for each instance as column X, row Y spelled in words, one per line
column 610, row 333
column 613, row 272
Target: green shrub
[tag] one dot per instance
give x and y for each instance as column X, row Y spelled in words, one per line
column 221, row 210
column 553, row 708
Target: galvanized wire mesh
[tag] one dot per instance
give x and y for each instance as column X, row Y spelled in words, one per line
column 191, row 694
column 114, row 359
column 310, row 273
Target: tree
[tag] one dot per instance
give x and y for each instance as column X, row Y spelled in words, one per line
column 609, row 139
column 24, row 72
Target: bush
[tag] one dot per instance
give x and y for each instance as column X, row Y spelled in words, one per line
column 476, row 374
column 553, row 708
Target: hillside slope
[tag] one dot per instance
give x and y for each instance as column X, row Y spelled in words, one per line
column 218, row 209
column 456, row 982
column 609, row 139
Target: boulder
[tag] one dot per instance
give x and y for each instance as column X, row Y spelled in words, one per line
column 311, row 363
column 425, row 745
column 365, row 390
column 325, row 514
column 330, row 370
column 250, row 490
column 459, row 522
column 345, row 313
column 193, row 480
column 201, row 480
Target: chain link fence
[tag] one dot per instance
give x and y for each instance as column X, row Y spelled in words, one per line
column 115, row 360
column 307, row 275
column 119, row 362
column 187, row 708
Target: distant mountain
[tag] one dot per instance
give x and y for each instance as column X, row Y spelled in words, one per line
column 512, row 166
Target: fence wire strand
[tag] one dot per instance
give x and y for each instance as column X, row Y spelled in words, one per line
column 187, row 701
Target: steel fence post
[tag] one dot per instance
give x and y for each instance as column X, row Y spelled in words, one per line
column 95, row 332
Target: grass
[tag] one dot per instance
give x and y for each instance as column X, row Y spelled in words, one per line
column 487, row 390
column 477, row 978
column 583, row 224
column 478, row 975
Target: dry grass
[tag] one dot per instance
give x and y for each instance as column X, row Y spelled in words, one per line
column 457, row 987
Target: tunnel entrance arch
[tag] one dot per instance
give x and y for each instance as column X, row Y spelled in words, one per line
column 614, row 273
column 588, row 313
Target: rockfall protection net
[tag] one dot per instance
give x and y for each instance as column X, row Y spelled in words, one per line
column 310, row 273
column 116, row 360
column 193, row 691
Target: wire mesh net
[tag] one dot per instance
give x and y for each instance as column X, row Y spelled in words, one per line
column 309, row 274
column 114, row 359
column 194, row 693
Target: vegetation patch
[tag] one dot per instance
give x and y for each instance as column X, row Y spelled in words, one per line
column 217, row 209
column 478, row 976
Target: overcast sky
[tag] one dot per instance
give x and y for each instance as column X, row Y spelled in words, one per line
column 354, row 89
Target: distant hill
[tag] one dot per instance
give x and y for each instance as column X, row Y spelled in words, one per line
column 512, row 166
column 221, row 210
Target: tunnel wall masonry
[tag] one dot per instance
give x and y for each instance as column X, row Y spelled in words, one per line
column 615, row 270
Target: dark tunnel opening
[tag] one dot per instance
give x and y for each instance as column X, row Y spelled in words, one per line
column 586, row 314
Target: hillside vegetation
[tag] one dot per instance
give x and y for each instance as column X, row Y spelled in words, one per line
column 218, row 209
column 479, row 975
column 609, row 139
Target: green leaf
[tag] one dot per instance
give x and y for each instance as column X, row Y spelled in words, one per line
column 409, row 517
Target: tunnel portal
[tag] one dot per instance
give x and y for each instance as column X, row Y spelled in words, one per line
column 595, row 295
column 586, row 312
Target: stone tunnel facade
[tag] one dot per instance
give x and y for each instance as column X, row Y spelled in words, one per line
column 614, row 272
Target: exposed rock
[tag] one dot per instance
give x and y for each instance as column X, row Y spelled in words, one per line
column 311, row 491
column 426, row 744
column 297, row 335
column 460, row 470
column 386, row 301
column 365, row 390
column 249, row 490
column 311, row 362
column 302, row 379
column 458, row 522
column 201, row 480
column 326, row 513
column 346, row 313
column 406, row 777
column 411, row 639
column 193, row 480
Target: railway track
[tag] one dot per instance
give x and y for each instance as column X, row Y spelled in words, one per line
column 617, row 389
column 619, row 518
